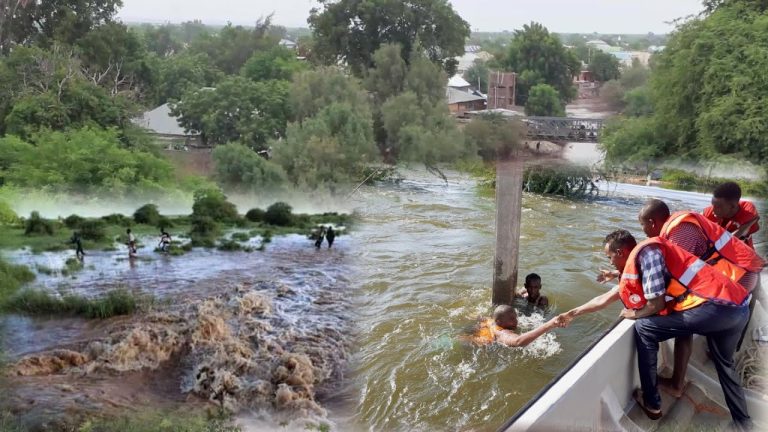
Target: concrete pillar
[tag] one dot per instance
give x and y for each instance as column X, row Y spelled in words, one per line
column 509, row 201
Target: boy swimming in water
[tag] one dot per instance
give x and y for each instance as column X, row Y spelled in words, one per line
column 501, row 329
column 532, row 291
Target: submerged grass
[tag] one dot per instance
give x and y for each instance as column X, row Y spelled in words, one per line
column 145, row 421
column 12, row 277
column 39, row 302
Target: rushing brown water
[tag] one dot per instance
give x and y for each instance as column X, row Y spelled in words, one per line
column 269, row 335
column 249, row 332
column 425, row 274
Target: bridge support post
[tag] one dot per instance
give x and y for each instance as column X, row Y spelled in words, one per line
column 509, row 202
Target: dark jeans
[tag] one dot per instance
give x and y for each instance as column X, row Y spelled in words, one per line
column 721, row 325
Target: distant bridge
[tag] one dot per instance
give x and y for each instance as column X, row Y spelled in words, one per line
column 563, row 129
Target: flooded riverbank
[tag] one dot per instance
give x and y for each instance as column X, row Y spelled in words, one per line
column 426, row 271
column 262, row 334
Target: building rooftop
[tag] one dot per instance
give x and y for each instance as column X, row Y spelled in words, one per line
column 161, row 121
column 458, row 96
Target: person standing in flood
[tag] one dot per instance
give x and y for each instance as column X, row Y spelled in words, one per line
column 131, row 243
column 320, row 237
column 330, row 235
column 77, row 241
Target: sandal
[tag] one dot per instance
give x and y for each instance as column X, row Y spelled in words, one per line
column 637, row 395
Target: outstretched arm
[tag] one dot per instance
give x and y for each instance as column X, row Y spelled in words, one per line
column 509, row 338
column 598, row 303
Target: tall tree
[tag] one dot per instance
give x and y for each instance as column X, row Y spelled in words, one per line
column 543, row 100
column 538, row 57
column 238, row 109
column 604, row 66
column 25, row 22
column 352, row 30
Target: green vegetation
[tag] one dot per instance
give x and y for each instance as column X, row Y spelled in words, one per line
column 213, row 204
column 538, row 57
column 147, row 420
column 543, row 100
column 240, row 168
column 341, row 30
column 147, row 214
column 7, row 215
column 36, row 225
column 705, row 100
column 566, row 181
column 71, row 265
column 279, row 214
column 604, row 66
column 493, row 136
column 255, row 215
column 39, row 302
column 12, row 277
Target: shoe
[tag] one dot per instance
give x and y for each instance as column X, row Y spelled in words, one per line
column 637, row 395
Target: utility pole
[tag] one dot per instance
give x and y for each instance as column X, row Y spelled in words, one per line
column 509, row 201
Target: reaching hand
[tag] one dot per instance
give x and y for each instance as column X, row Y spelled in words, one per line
column 607, row 275
column 562, row 320
column 627, row 313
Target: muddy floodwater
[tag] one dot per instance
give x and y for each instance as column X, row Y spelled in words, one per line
column 363, row 336
column 425, row 272
column 263, row 334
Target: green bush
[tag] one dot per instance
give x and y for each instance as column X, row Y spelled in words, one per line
column 164, row 222
column 147, row 214
column 118, row 219
column 230, row 246
column 255, row 215
column 7, row 215
column 213, row 204
column 36, row 225
column 93, row 229
column 12, row 277
column 279, row 214
column 204, row 231
column 73, row 221
column 241, row 236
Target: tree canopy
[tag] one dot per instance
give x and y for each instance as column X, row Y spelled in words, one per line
column 604, row 66
column 538, row 57
column 352, row 30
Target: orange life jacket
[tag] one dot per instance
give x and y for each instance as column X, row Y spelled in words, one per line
column 725, row 252
column 690, row 275
column 484, row 332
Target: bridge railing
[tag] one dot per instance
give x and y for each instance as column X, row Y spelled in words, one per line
column 564, row 128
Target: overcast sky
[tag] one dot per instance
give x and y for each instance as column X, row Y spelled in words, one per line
column 563, row 16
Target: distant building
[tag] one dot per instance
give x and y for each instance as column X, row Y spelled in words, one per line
column 501, row 89
column 164, row 126
column 459, row 101
column 468, row 59
column 458, row 82
column 287, row 44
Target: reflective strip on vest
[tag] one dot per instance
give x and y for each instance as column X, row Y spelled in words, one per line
column 723, row 240
column 629, row 276
column 691, row 271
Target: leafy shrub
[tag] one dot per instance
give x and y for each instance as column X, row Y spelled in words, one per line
column 36, row 225
column 117, row 302
column 255, row 215
column 204, row 231
column 7, row 215
column 241, row 236
column 73, row 221
column 93, row 229
column 147, row 214
column 12, row 277
column 118, row 219
column 213, row 204
column 279, row 214
column 230, row 246
column 164, row 222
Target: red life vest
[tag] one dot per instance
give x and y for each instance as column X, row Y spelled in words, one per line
column 725, row 252
column 689, row 275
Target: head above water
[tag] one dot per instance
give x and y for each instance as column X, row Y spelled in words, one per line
column 505, row 317
column 533, row 285
column 725, row 200
column 653, row 216
column 618, row 246
column 128, row 231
